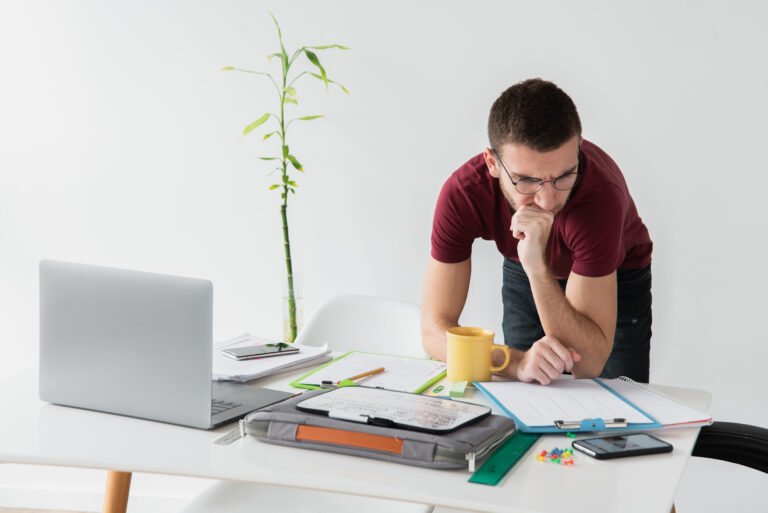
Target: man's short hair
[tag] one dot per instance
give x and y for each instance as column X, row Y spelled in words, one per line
column 535, row 113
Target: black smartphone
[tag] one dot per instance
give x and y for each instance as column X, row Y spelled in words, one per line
column 607, row 447
column 260, row 351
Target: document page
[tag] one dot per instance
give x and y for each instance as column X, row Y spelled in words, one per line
column 568, row 399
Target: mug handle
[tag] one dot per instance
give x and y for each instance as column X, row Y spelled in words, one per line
column 503, row 366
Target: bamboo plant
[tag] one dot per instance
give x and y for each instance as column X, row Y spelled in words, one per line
column 290, row 73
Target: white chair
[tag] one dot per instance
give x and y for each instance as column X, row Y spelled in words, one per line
column 365, row 323
column 345, row 322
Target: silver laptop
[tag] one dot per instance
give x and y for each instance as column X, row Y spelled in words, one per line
column 136, row 344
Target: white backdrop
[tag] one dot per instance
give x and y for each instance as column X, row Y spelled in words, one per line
column 119, row 145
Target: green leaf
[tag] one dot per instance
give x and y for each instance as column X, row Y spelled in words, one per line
column 292, row 183
column 314, row 60
column 267, row 158
column 330, row 81
column 342, row 87
column 227, row 68
column 326, row 47
column 290, row 91
column 292, row 191
column 250, row 128
column 295, row 163
column 279, row 34
column 273, row 186
column 307, row 118
column 285, row 152
column 288, row 99
column 267, row 136
column 270, row 57
column 282, row 54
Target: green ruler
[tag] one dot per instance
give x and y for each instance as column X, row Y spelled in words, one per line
column 503, row 459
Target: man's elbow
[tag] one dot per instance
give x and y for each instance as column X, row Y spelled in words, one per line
column 585, row 371
column 426, row 344
column 592, row 364
column 433, row 340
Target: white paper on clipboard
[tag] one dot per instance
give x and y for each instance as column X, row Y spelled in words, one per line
column 392, row 408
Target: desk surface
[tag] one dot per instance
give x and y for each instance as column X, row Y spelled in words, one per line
column 38, row 433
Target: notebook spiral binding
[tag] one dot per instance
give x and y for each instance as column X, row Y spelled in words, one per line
column 645, row 388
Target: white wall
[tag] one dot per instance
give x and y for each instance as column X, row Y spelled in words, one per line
column 119, row 145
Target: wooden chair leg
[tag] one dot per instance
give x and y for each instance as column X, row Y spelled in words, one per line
column 116, row 493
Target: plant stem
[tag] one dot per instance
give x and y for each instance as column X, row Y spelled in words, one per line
column 292, row 328
column 289, row 270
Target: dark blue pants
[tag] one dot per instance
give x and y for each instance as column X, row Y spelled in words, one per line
column 632, row 343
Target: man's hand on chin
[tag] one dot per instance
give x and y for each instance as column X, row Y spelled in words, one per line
column 531, row 226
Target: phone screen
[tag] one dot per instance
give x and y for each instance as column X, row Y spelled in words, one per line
column 260, row 351
column 623, row 445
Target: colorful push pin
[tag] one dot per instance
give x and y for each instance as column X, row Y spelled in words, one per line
column 557, row 456
column 570, row 435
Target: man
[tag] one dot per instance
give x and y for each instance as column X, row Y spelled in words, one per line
column 576, row 275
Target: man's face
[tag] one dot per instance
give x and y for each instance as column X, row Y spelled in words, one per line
column 524, row 163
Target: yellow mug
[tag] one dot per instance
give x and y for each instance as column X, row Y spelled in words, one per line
column 470, row 352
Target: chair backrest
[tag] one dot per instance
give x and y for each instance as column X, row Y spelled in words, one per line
column 742, row 444
column 365, row 323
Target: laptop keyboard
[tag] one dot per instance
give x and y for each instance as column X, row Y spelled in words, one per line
column 218, row 406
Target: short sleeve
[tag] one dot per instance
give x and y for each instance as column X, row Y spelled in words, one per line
column 594, row 232
column 455, row 225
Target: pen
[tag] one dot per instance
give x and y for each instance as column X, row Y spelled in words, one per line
column 364, row 374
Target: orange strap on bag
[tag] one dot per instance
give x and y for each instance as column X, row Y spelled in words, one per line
column 332, row 436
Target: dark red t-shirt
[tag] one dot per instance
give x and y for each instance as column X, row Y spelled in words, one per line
column 597, row 232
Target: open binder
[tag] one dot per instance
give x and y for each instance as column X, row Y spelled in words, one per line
column 579, row 405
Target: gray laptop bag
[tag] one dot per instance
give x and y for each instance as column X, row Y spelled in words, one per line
column 285, row 424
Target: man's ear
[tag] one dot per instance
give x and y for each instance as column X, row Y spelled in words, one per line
column 490, row 161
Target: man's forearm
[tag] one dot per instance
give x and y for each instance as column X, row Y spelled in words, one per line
column 575, row 330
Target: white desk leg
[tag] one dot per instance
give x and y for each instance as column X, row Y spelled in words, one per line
column 116, row 494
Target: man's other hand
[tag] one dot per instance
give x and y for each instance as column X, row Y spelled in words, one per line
column 545, row 361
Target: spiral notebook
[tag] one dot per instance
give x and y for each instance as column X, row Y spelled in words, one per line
column 589, row 405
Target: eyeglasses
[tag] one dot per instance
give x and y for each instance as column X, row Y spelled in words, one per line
column 530, row 186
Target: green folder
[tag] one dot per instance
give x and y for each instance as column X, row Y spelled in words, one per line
column 389, row 362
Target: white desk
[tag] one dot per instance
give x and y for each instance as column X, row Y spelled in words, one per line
column 46, row 434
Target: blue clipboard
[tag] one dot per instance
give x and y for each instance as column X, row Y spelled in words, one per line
column 577, row 425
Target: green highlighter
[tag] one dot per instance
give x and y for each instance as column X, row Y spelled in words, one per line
column 503, row 459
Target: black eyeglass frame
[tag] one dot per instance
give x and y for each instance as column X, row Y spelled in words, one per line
column 538, row 180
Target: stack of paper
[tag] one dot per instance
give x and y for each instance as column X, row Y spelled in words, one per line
column 227, row 369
